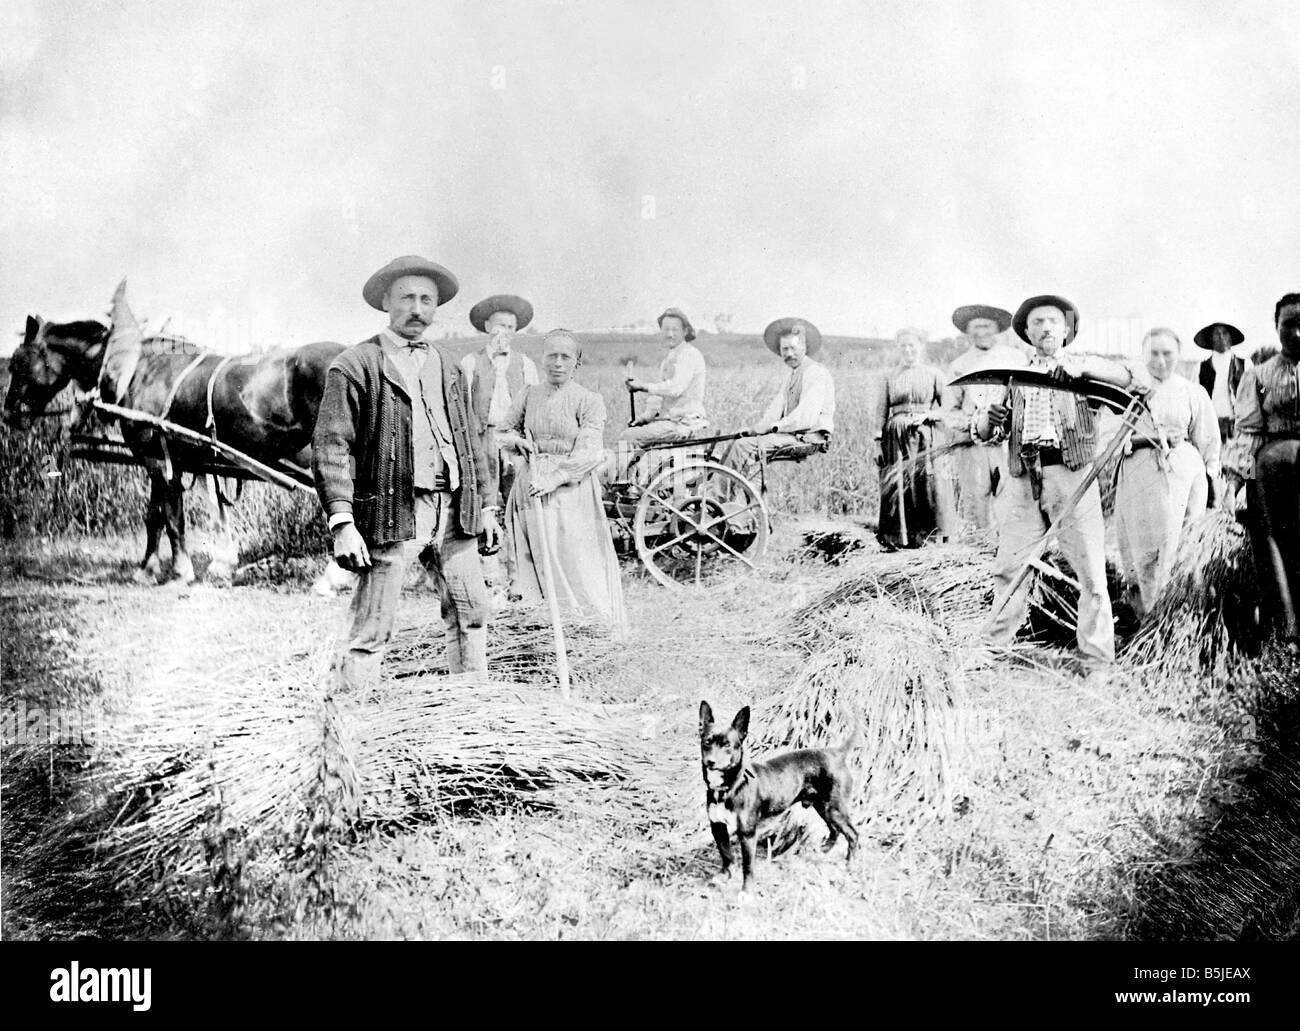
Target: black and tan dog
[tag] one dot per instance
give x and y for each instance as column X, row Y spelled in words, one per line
column 740, row 793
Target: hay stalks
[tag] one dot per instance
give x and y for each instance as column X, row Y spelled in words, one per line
column 1204, row 617
column 903, row 678
column 440, row 745
column 520, row 648
column 949, row 583
column 199, row 778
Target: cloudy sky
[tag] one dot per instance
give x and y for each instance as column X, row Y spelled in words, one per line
column 866, row 165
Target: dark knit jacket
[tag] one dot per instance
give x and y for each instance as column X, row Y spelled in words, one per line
column 362, row 452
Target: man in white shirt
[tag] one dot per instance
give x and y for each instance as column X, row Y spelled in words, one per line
column 1222, row 370
column 495, row 375
column 680, row 387
column 800, row 417
column 982, row 467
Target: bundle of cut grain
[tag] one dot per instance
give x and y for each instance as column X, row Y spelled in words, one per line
column 901, row 678
column 1206, row 612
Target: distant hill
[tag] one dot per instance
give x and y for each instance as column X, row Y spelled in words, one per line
column 606, row 348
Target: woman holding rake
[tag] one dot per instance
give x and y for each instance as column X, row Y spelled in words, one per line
column 559, row 426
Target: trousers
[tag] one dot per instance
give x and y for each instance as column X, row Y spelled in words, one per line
column 1274, row 504
column 453, row 564
column 1022, row 521
column 981, row 473
column 1155, row 498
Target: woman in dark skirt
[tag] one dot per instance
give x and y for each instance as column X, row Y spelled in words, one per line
column 916, row 498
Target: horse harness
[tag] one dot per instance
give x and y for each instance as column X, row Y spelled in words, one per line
column 210, row 423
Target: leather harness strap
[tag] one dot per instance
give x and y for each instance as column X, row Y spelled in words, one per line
column 171, row 394
column 211, row 425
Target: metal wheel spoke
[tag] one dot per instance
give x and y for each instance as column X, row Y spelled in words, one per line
column 675, row 510
column 707, row 530
column 728, row 515
column 688, row 508
column 675, row 541
column 714, row 537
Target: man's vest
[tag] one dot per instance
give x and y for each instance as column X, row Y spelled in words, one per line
column 1236, row 369
column 485, row 382
column 1074, row 422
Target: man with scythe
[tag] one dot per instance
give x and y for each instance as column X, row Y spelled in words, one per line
column 1051, row 439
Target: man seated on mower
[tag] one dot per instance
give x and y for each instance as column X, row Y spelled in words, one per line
column 680, row 389
column 799, row 419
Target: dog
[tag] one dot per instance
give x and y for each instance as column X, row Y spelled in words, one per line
column 739, row 794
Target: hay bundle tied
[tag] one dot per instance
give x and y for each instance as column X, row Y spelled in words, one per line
column 899, row 677
column 273, row 764
column 1206, row 612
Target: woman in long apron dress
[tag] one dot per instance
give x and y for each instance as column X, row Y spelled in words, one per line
column 559, row 426
column 917, row 501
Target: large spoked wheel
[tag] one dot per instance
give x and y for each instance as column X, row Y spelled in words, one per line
column 700, row 525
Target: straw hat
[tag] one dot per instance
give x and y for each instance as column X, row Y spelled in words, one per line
column 1205, row 336
column 781, row 327
column 678, row 314
column 489, row 306
column 1021, row 319
column 409, row 265
column 962, row 316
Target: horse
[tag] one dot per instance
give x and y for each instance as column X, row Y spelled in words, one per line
column 262, row 404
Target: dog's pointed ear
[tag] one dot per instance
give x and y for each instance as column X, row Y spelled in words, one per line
column 706, row 719
column 741, row 723
column 33, row 327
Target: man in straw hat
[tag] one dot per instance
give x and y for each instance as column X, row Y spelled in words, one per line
column 680, row 387
column 399, row 466
column 982, row 467
column 1051, row 443
column 799, row 419
column 1266, row 453
column 1221, row 370
column 496, row 374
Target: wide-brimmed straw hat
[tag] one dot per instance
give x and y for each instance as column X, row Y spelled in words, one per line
column 962, row 316
column 783, row 327
column 1205, row 337
column 409, row 265
column 679, row 314
column 489, row 306
column 1021, row 319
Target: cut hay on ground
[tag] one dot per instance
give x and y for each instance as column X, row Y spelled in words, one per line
column 270, row 763
column 1206, row 612
column 520, row 649
column 901, row 678
column 949, row 583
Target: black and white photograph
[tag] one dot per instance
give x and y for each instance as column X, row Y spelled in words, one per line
column 594, row 470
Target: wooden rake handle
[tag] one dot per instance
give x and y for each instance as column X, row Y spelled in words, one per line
column 548, row 580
